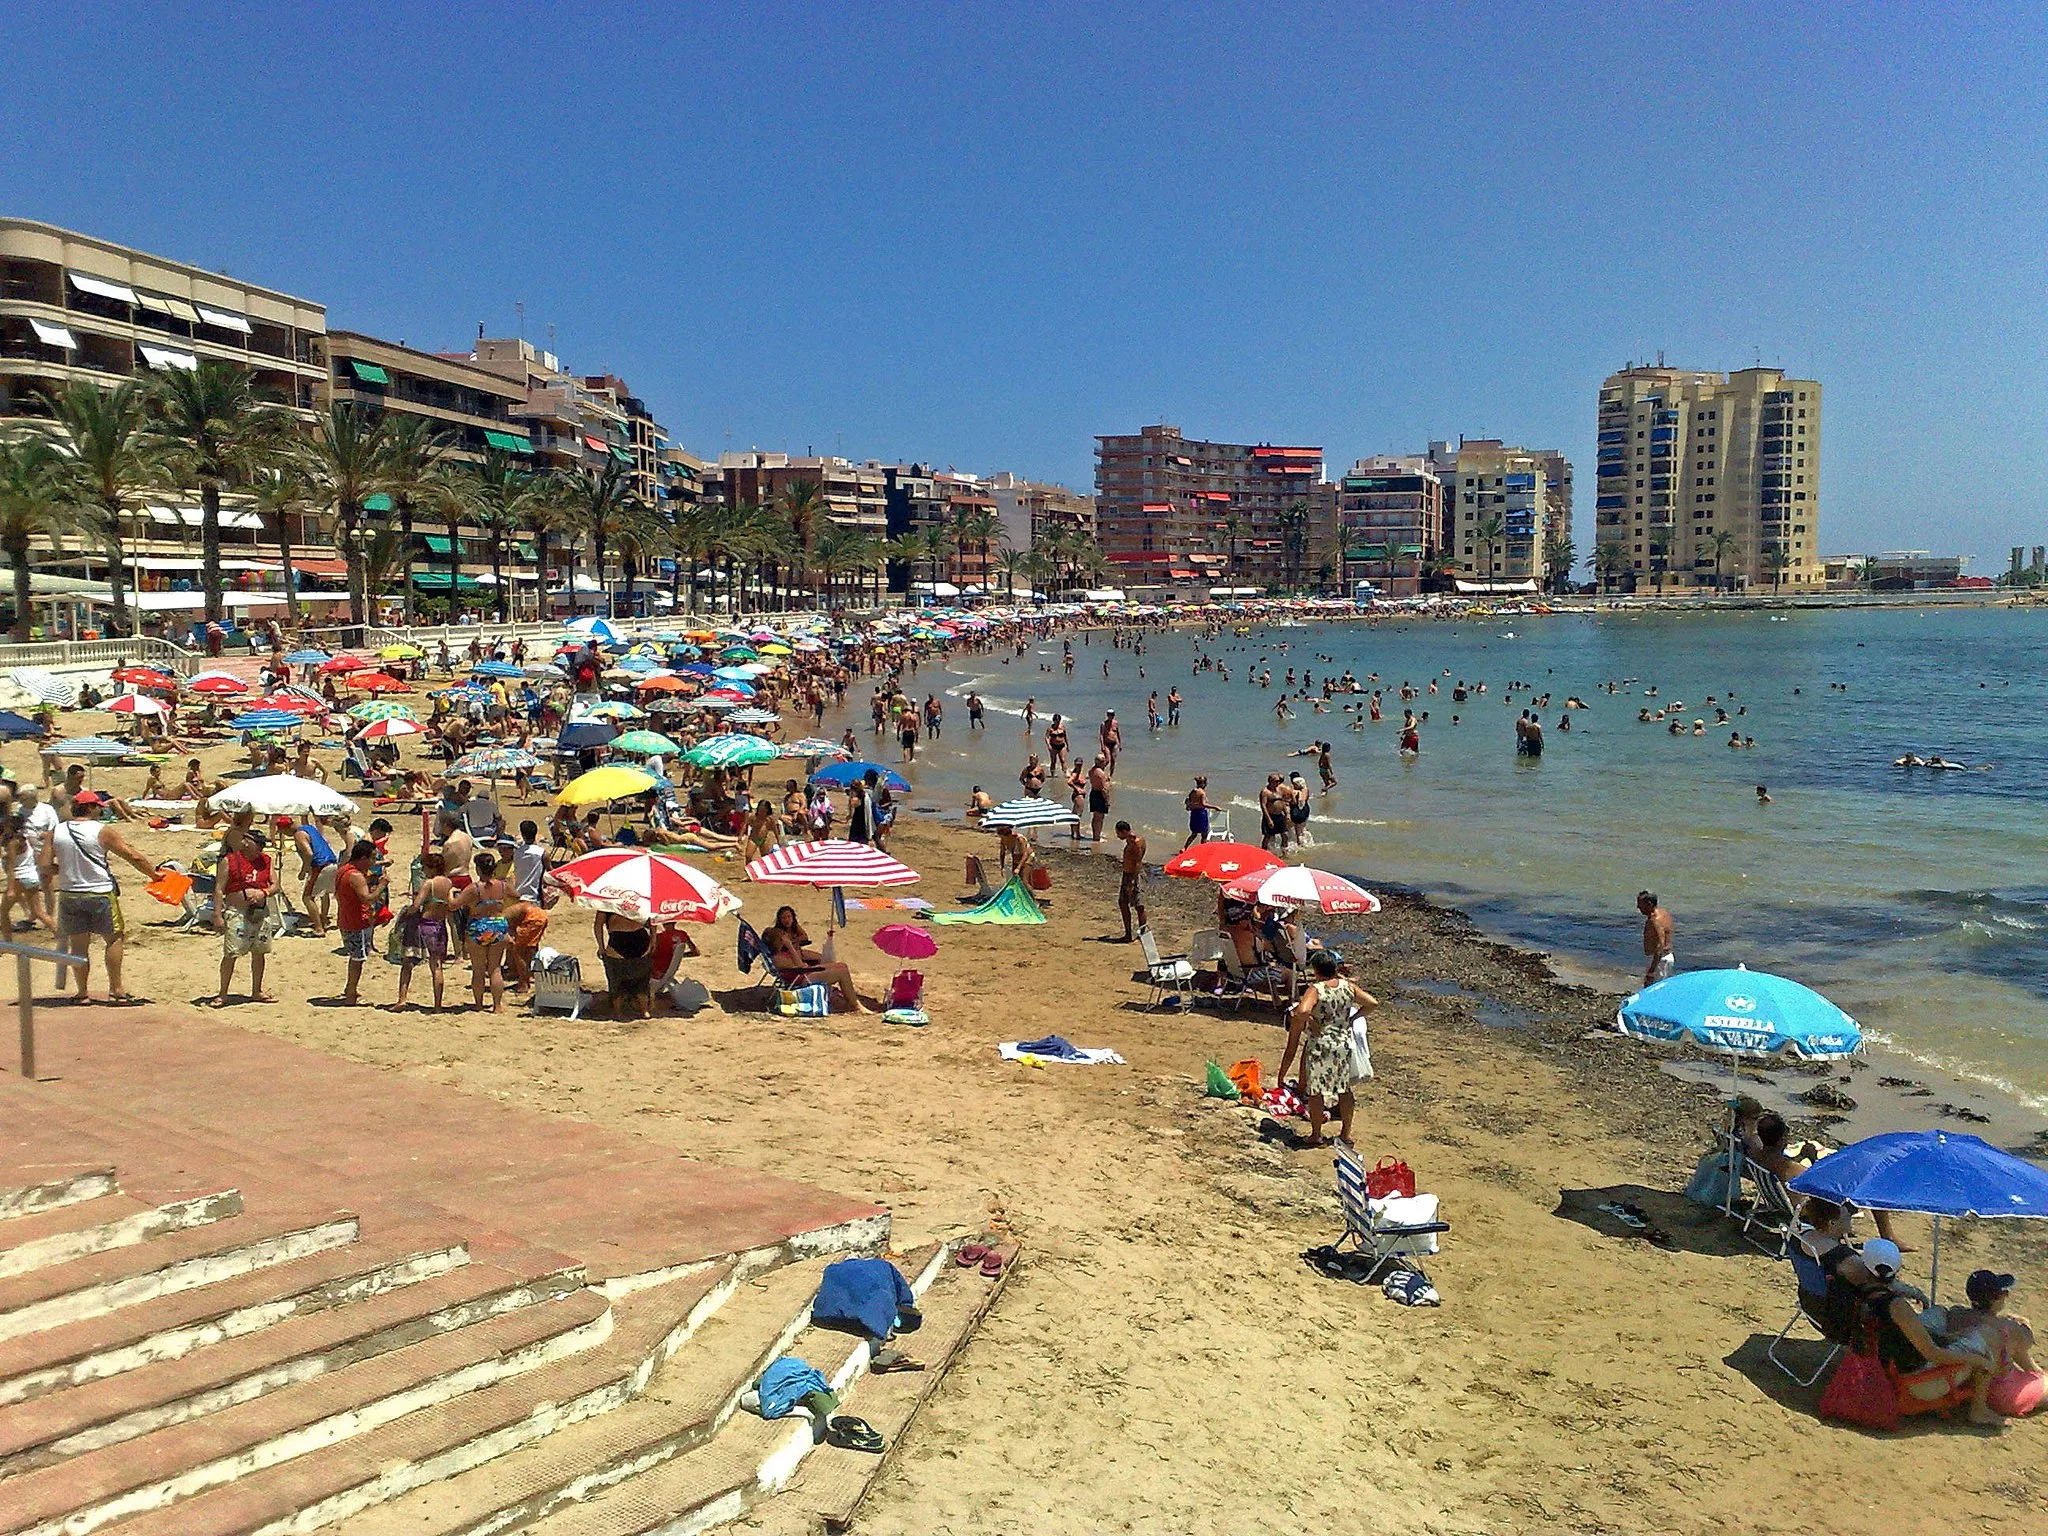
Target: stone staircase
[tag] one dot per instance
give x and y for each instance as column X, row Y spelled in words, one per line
column 221, row 1340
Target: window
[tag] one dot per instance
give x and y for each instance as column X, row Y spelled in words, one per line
column 1639, row 500
column 1639, row 435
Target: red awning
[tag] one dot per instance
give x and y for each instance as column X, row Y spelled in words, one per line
column 1158, row 506
column 321, row 567
column 1180, row 575
column 596, row 442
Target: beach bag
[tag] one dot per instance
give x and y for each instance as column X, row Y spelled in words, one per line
column 1715, row 1181
column 1861, row 1392
column 2017, row 1393
column 811, row 1001
column 1220, row 1085
column 1390, row 1179
column 1039, row 878
column 1361, row 1050
column 1245, row 1074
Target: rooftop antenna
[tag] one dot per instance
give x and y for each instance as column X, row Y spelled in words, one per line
column 1660, row 357
column 519, row 309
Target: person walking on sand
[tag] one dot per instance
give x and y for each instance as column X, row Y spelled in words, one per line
column 1319, row 1029
column 244, row 885
column 75, row 865
column 1198, row 813
column 1098, row 796
column 1130, row 892
column 1660, row 962
column 355, row 913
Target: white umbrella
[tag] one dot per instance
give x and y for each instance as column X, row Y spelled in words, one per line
column 1031, row 811
column 283, row 794
column 45, row 686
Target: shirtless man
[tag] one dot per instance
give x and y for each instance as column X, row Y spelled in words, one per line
column 1273, row 813
column 1659, row 961
column 1098, row 795
column 1130, row 897
column 1197, row 803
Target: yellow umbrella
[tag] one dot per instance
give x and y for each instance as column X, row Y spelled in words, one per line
column 614, row 781
column 401, row 653
column 774, row 648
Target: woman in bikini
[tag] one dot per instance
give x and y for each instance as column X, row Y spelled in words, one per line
column 423, row 928
column 484, row 903
column 796, row 962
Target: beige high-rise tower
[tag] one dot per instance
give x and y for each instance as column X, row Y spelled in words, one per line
column 1686, row 458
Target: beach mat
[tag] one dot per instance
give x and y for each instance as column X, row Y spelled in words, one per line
column 1012, row 904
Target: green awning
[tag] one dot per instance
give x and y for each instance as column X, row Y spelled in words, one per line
column 368, row 373
column 621, row 455
column 1409, row 550
column 1367, row 552
column 510, row 442
column 439, row 544
column 528, row 552
column 437, row 581
column 377, row 503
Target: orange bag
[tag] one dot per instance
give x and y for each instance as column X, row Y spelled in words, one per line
column 1245, row 1074
column 170, row 888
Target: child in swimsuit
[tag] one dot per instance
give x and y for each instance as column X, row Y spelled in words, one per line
column 484, row 903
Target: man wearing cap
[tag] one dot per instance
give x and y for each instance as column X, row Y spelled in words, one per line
column 76, row 864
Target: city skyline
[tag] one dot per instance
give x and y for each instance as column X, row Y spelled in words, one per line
column 783, row 259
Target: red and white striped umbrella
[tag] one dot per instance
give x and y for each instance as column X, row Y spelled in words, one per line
column 636, row 882
column 831, row 862
column 1296, row 885
column 133, row 704
column 386, row 730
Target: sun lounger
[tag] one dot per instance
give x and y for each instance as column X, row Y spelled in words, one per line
column 1389, row 1231
column 1168, row 974
column 977, row 877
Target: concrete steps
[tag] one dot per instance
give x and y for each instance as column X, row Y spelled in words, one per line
column 50, row 1192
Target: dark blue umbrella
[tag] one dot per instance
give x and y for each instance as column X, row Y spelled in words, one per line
column 13, row 727
column 1941, row 1173
column 586, row 733
column 842, row 775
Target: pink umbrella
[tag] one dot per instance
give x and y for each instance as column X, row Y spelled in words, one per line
column 900, row 941
column 1296, row 885
column 830, row 862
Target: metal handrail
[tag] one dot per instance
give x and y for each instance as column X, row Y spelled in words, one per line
column 25, row 1004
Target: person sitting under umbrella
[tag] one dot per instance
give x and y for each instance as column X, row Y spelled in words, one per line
column 1929, row 1372
column 797, row 963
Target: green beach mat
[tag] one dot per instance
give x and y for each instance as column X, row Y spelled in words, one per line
column 1012, row 904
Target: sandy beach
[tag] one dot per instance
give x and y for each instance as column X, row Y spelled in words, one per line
column 1164, row 1359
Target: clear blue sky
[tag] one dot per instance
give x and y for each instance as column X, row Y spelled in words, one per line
column 980, row 235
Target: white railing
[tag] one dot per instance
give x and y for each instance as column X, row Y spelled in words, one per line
column 61, row 655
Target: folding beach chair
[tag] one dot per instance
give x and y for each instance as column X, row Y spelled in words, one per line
column 1264, row 982
column 558, row 986
column 1817, row 1306
column 1389, row 1231
column 1168, row 974
column 977, row 877
column 1205, row 951
column 1771, row 1212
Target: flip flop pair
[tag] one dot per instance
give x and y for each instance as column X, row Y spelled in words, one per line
column 1632, row 1216
column 980, row 1255
column 852, row 1434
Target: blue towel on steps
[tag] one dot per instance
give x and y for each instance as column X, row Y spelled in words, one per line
column 785, row 1384
column 861, row 1295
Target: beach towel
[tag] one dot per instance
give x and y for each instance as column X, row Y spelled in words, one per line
column 810, row 1001
column 1012, row 904
column 861, row 1296
column 1058, row 1048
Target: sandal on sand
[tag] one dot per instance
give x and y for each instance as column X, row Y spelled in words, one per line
column 851, row 1434
column 1622, row 1214
column 970, row 1255
column 991, row 1264
column 888, row 1360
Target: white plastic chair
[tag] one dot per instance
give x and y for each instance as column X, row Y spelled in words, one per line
column 1169, row 974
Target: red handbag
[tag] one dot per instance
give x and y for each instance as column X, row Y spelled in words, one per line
column 1862, row 1392
column 1389, row 1179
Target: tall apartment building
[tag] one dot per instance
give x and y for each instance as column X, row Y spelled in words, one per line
column 1177, row 510
column 1528, row 492
column 1687, row 456
column 571, row 425
column 1030, row 509
column 855, row 495
column 644, row 436
column 1390, row 514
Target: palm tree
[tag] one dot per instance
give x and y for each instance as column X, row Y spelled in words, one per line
column 1294, row 531
column 349, row 455
column 32, row 506
column 978, row 529
column 546, row 510
column 599, row 504
column 640, row 539
column 1777, row 561
column 1608, row 561
column 210, row 425
column 282, row 491
column 1660, row 550
column 1560, row 554
column 1234, row 527
column 1488, row 535
column 1012, row 562
column 102, row 435
column 845, row 552
column 1721, row 545
column 497, row 492
column 936, row 544
column 803, row 503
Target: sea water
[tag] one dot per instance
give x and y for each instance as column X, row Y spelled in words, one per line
column 1916, row 898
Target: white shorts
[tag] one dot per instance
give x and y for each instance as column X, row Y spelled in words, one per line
column 1666, row 965
column 324, row 881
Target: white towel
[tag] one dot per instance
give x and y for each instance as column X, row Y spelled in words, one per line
column 1088, row 1057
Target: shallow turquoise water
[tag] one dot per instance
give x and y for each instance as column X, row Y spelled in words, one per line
column 1916, row 899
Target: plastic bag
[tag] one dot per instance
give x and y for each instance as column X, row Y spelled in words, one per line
column 1245, row 1074
column 1220, row 1085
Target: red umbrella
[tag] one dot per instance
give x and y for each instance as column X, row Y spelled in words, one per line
column 380, row 730
column 637, row 882
column 1296, row 885
column 133, row 704
column 1220, row 861
column 900, row 941
column 217, row 682
column 144, row 677
column 343, row 663
column 292, row 703
column 377, row 682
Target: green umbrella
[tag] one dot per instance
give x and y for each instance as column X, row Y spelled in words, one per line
column 381, row 709
column 731, row 752
column 739, row 653
column 646, row 743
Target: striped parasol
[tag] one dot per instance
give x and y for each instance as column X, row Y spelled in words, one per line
column 133, row 704
column 309, row 657
column 612, row 709
column 637, row 882
column 267, row 720
column 87, row 746
column 492, row 763
column 832, row 862
column 732, row 751
column 1031, row 811
column 46, row 687
column 812, row 746
column 753, row 717
column 496, row 669
column 381, row 709
column 1297, row 885
column 392, row 729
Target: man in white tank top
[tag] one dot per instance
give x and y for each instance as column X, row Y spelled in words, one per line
column 76, row 865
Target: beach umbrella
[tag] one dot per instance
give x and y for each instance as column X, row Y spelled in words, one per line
column 1026, row 812
column 831, row 862
column 392, row 729
column 492, row 763
column 666, row 683
column 1296, row 885
column 283, row 794
column 216, row 683
column 88, row 747
column 45, row 687
column 375, row 682
column 1748, row 1013
column 585, row 733
column 731, row 751
column 294, row 703
column 1938, row 1173
column 753, row 717
column 143, row 677
column 614, row 781
column 1220, row 861
column 738, row 653
column 600, row 630
column 774, row 648
column 845, row 775
column 334, row 665
column 738, row 677
column 266, row 720
column 381, row 709
column 399, row 651
column 645, row 743
column 496, row 669
column 638, row 882
column 14, row 727
column 812, row 746
column 900, row 941
column 309, row 657
column 697, row 669
column 669, row 705
column 133, row 704
column 613, row 709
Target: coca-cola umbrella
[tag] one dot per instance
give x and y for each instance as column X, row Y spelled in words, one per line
column 1296, row 885
column 638, row 882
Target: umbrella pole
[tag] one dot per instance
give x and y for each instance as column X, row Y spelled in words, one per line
column 1934, row 1277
